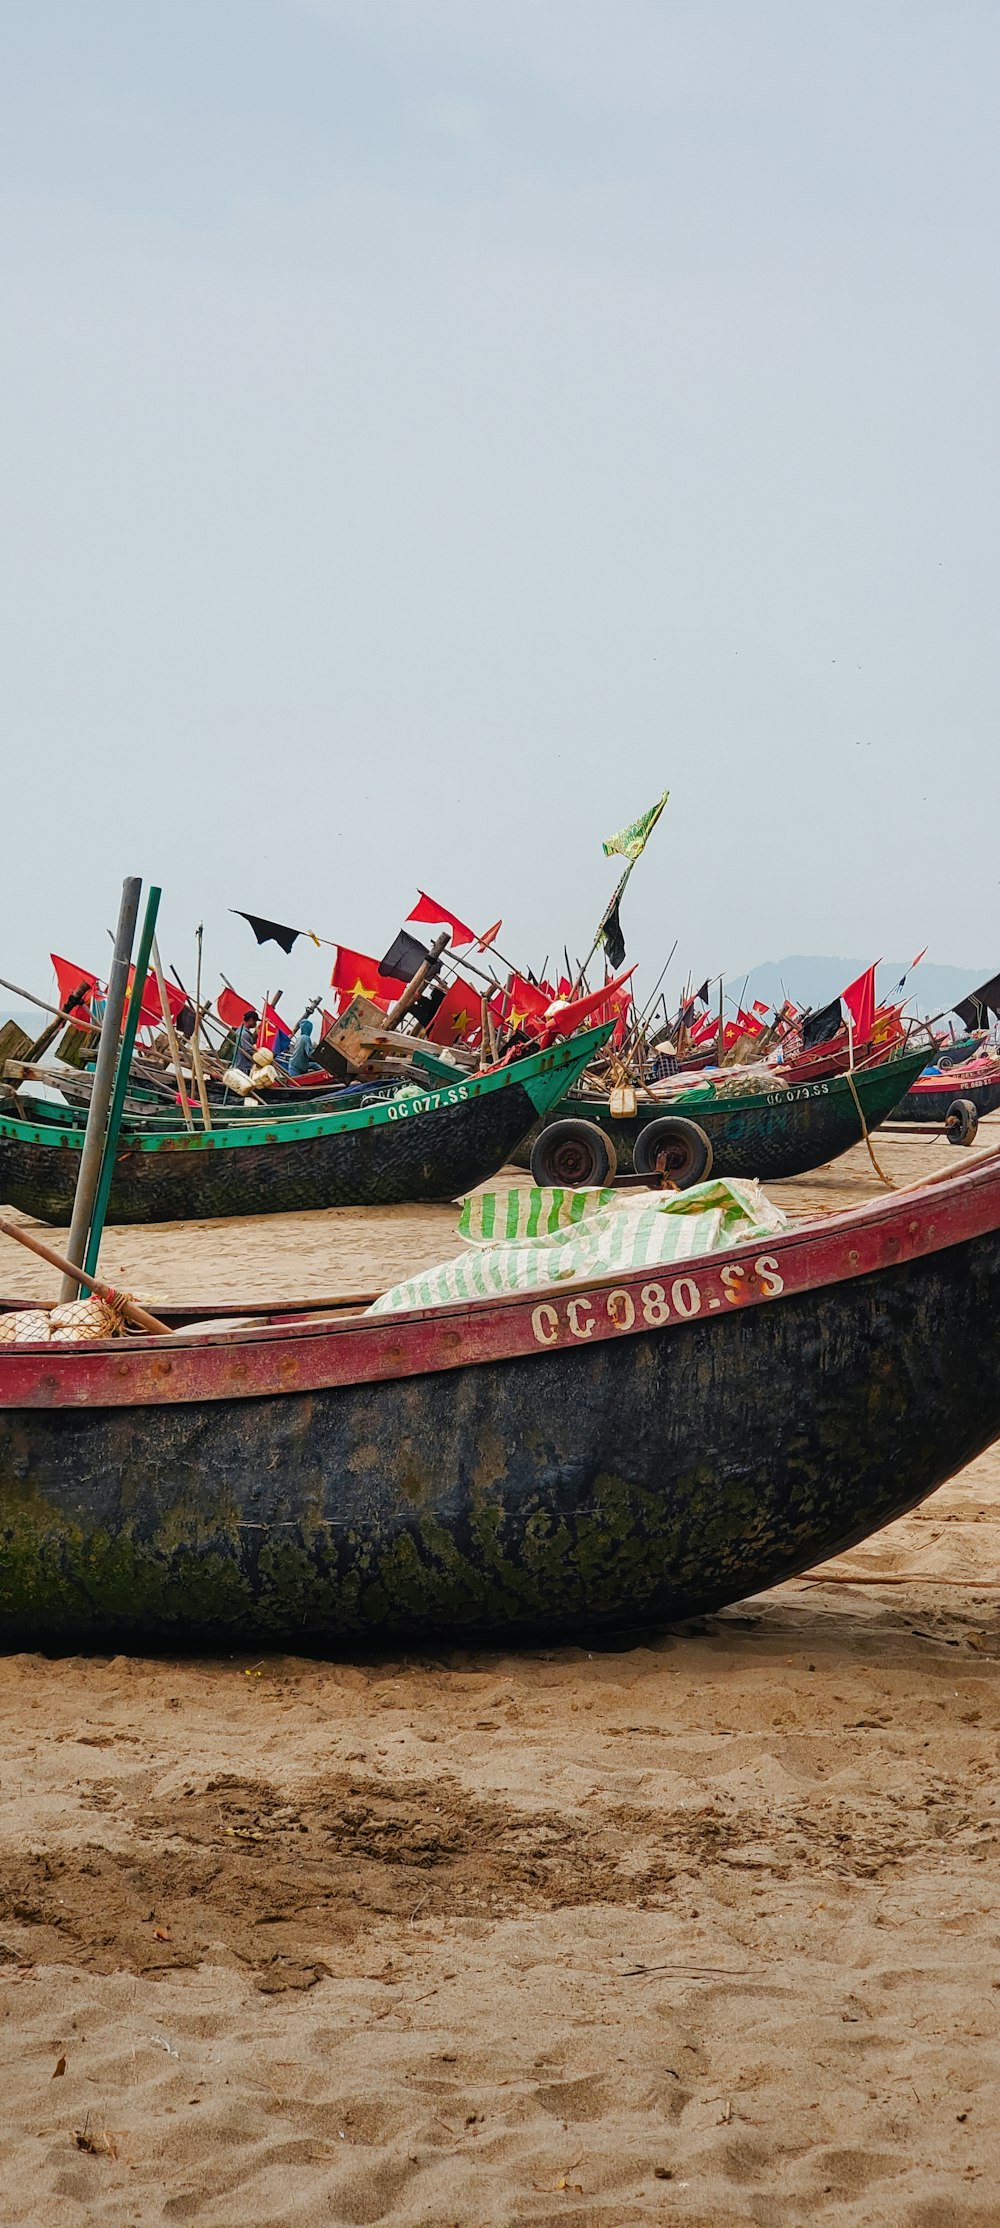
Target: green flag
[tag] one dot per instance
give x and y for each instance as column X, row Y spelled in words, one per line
column 631, row 840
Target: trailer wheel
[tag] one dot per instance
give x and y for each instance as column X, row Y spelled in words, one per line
column 961, row 1122
column 575, row 1154
column 675, row 1148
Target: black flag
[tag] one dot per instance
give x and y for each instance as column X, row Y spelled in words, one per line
column 404, row 957
column 976, row 1008
column 270, row 932
column 819, row 1027
column 612, row 938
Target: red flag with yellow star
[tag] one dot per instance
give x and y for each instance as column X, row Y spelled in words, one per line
column 354, row 973
column 458, row 1019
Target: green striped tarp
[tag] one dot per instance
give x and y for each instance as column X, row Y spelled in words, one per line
column 524, row 1239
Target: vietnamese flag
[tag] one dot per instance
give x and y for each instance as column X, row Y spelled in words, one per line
column 428, row 909
column 563, row 1020
column 355, row 974
column 458, row 1019
column 274, row 1035
column 527, row 1002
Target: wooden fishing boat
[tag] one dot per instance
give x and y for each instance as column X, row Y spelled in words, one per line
column 642, row 1447
column 770, row 1133
column 931, row 1097
column 431, row 1145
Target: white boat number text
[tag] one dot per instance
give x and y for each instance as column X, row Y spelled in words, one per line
column 398, row 1109
column 654, row 1304
column 797, row 1091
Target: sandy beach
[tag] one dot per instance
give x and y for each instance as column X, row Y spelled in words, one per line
column 704, row 1926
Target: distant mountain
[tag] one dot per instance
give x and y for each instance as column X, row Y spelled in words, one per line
column 814, row 981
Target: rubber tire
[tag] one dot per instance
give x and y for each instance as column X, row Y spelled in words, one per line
column 961, row 1122
column 675, row 1148
column 574, row 1154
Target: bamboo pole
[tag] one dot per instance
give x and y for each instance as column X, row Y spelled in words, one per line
column 62, row 1013
column 74, row 1277
column 199, row 1072
column 171, row 1034
column 615, row 899
column 91, row 1157
column 122, row 1073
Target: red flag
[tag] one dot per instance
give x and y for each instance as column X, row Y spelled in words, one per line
column 354, row 973
column 566, row 1018
column 859, row 998
column 458, row 1019
column 526, row 1002
column 70, row 978
column 486, row 941
column 150, row 1010
column 272, row 1026
column 427, row 909
column 231, row 1008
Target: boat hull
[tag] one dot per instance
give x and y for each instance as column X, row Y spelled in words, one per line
column 432, row 1147
column 768, row 1134
column 929, row 1102
column 575, row 1486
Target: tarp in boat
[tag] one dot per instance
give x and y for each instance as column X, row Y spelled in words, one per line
column 526, row 1239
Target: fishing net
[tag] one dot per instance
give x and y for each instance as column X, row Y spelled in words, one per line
column 71, row 1324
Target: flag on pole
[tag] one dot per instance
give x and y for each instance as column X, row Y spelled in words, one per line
column 70, row 979
column 275, row 932
column 631, row 841
column 563, row 1016
column 428, row 909
column 857, row 1003
column 611, row 936
column 273, row 1035
column 403, row 958
column 975, row 1010
column 897, row 987
column 458, row 1019
column 355, row 972
column 859, row 999
column 231, row 1008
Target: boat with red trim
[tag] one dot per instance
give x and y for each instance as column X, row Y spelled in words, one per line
column 639, row 1447
column 932, row 1096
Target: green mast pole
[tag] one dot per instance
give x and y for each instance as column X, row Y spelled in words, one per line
column 122, row 1073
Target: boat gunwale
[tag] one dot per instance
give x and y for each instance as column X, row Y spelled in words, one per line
column 296, row 1356
column 284, row 1131
column 688, row 1101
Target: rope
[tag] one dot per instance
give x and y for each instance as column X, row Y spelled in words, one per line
column 887, row 1180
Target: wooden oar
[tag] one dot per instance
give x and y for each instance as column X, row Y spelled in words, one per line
column 136, row 1314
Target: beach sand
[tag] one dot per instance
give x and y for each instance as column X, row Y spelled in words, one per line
column 702, row 1927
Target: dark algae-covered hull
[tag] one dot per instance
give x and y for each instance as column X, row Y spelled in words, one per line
column 770, row 1133
column 635, row 1449
column 929, row 1100
column 433, row 1145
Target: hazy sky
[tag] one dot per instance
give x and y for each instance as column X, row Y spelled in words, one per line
column 430, row 427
